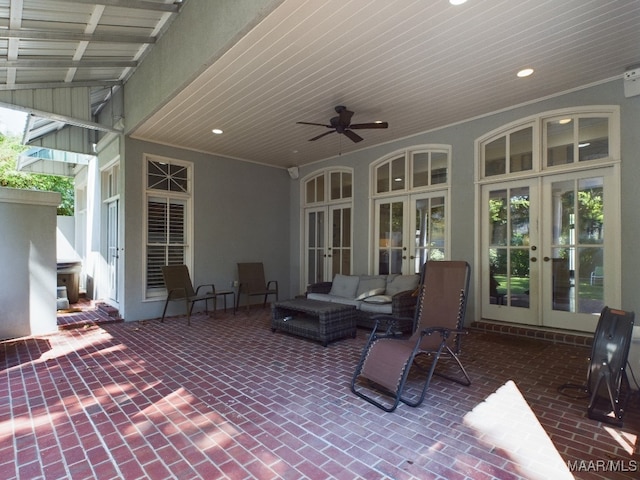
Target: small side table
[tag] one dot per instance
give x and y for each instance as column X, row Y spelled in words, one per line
column 223, row 294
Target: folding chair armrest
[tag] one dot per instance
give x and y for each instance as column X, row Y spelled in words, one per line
column 391, row 322
column 274, row 282
column 213, row 288
column 444, row 332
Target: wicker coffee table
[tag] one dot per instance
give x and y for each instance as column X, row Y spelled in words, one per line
column 321, row 321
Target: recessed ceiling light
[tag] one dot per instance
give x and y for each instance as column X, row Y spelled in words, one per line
column 525, row 72
column 217, row 131
column 457, row 2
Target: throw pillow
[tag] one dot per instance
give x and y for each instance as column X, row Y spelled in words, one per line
column 371, row 293
column 378, row 299
column 344, row 286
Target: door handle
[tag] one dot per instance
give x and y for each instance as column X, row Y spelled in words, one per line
column 534, row 259
column 546, row 259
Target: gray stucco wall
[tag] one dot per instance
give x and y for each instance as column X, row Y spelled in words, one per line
column 241, row 214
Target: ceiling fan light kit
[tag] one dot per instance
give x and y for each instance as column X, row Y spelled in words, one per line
column 342, row 124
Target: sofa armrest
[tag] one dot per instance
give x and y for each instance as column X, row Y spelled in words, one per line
column 403, row 304
column 320, row 287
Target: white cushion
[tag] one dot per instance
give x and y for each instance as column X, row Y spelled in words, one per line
column 370, row 285
column 324, row 297
column 378, row 299
column 344, row 286
column 371, row 293
column 401, row 283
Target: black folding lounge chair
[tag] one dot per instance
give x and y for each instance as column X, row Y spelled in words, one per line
column 387, row 358
column 179, row 287
column 251, row 281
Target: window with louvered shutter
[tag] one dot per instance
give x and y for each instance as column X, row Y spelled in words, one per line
column 167, row 207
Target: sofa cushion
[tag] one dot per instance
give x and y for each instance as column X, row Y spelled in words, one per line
column 370, row 285
column 345, row 286
column 326, row 297
column 323, row 297
column 401, row 283
column 381, row 308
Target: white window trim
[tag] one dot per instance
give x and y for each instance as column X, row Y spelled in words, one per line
column 408, row 192
column 186, row 197
column 612, row 112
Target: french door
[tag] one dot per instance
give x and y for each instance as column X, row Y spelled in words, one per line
column 543, row 241
column 327, row 242
column 409, row 230
column 112, row 249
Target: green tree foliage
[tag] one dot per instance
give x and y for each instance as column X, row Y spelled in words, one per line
column 10, row 150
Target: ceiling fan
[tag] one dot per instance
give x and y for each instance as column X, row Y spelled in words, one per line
column 342, row 124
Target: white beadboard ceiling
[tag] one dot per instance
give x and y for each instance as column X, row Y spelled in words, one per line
column 417, row 64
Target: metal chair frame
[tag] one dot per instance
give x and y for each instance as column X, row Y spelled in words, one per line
column 414, row 346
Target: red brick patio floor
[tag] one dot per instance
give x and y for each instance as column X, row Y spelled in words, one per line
column 228, row 398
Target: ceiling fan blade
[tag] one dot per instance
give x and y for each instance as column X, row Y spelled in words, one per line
column 353, row 136
column 311, row 123
column 369, row 125
column 321, row 135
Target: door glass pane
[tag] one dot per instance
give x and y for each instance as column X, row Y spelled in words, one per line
column 437, row 224
column 559, row 141
column 593, row 138
column 390, row 243
column 430, row 231
column 498, row 217
column 341, row 241
column 521, row 150
column 591, row 280
column 578, row 225
column 519, row 207
column 346, row 227
column 315, row 247
column 509, row 268
column 562, row 291
column 518, row 283
column 497, row 276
